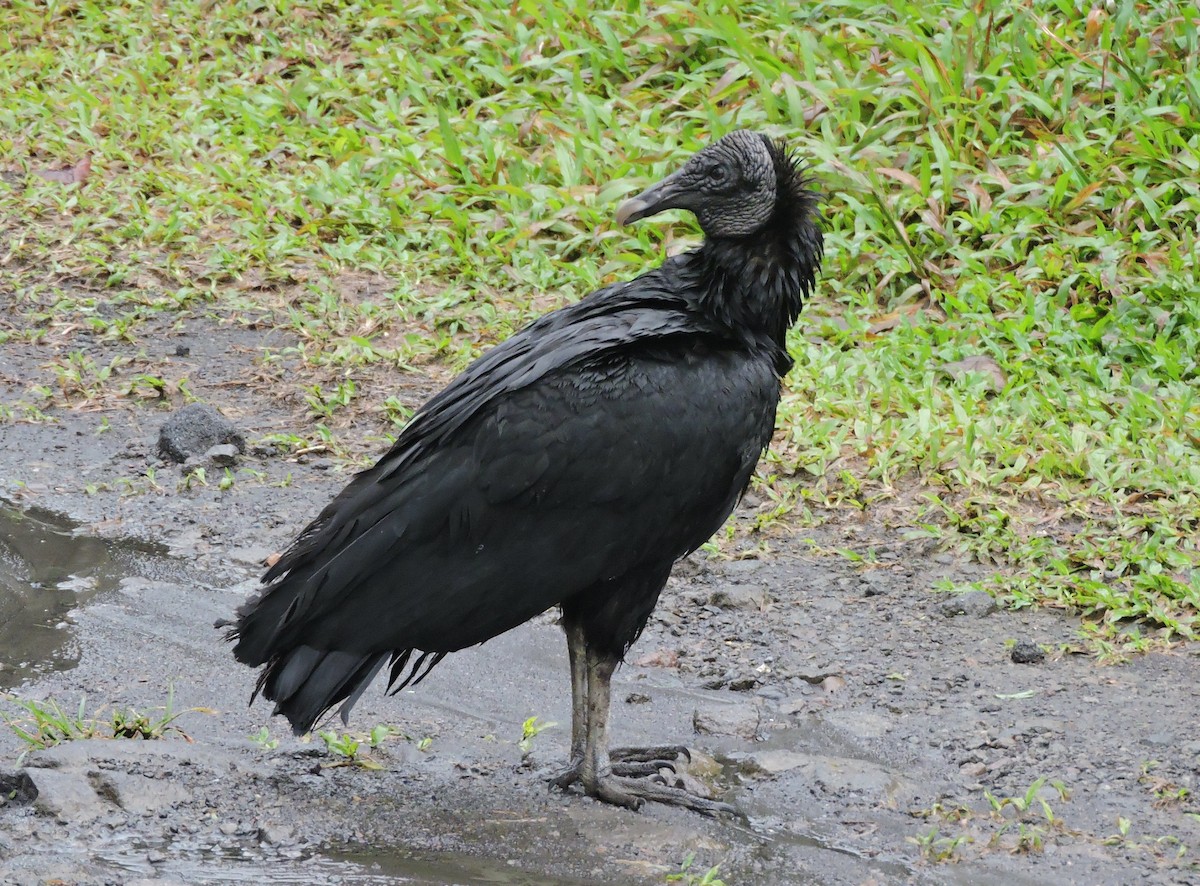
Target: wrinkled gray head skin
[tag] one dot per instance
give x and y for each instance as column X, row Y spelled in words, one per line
column 730, row 187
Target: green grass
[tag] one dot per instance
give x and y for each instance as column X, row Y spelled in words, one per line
column 1002, row 354
column 43, row 724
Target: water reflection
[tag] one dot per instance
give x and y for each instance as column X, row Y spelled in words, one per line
column 46, row 570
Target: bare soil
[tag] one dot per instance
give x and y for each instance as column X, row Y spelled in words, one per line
column 871, row 732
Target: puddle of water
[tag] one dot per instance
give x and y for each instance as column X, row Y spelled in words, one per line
column 47, row 570
column 336, row 867
column 443, row 867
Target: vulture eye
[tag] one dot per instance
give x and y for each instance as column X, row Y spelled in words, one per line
column 716, row 175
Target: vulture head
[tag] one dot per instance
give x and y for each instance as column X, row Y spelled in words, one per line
column 733, row 186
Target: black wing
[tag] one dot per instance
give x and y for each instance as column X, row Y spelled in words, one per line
column 592, row 443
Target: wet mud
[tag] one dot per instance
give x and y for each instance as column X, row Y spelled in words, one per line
column 869, row 732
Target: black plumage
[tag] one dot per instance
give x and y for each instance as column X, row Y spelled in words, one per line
column 570, row 466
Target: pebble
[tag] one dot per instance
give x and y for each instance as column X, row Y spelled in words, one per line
column 744, row 597
column 224, row 455
column 194, row 430
column 1027, row 652
column 972, row 770
column 976, row 604
column 741, row 720
column 876, row 584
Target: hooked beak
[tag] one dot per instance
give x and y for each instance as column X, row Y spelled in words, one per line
column 667, row 194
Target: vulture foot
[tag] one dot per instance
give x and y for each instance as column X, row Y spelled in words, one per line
column 631, row 762
column 632, row 793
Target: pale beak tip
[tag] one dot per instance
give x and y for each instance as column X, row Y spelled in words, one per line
column 630, row 211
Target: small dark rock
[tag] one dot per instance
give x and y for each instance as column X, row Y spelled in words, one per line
column 195, row 429
column 1025, row 652
column 16, row 788
column 973, row 603
column 637, row 698
column 875, row 584
column 182, row 351
column 223, row 456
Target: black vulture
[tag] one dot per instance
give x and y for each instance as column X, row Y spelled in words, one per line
column 570, row 466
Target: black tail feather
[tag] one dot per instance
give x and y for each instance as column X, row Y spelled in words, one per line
column 305, row 683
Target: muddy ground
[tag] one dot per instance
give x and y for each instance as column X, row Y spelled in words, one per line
column 872, row 731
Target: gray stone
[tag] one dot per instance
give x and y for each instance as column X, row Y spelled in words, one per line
column 741, row 567
column 876, row 584
column 91, row 753
column 834, row 775
column 972, row 771
column 976, row 604
column 861, row 724
column 224, row 455
column 275, row 834
column 793, row 706
column 194, row 430
column 251, row 555
column 66, row 795
column 1025, row 652
column 748, row 597
column 139, row 794
column 740, row 720
column 774, row 762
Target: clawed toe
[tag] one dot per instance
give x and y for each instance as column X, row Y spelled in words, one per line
column 567, row 776
column 632, row 783
column 638, row 762
column 634, row 792
column 636, row 770
column 655, row 753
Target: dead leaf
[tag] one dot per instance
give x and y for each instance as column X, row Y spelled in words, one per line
column 1083, row 194
column 901, row 176
column 981, row 195
column 1091, row 30
column 890, row 320
column 733, row 72
column 70, row 176
column 930, row 218
column 980, row 363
